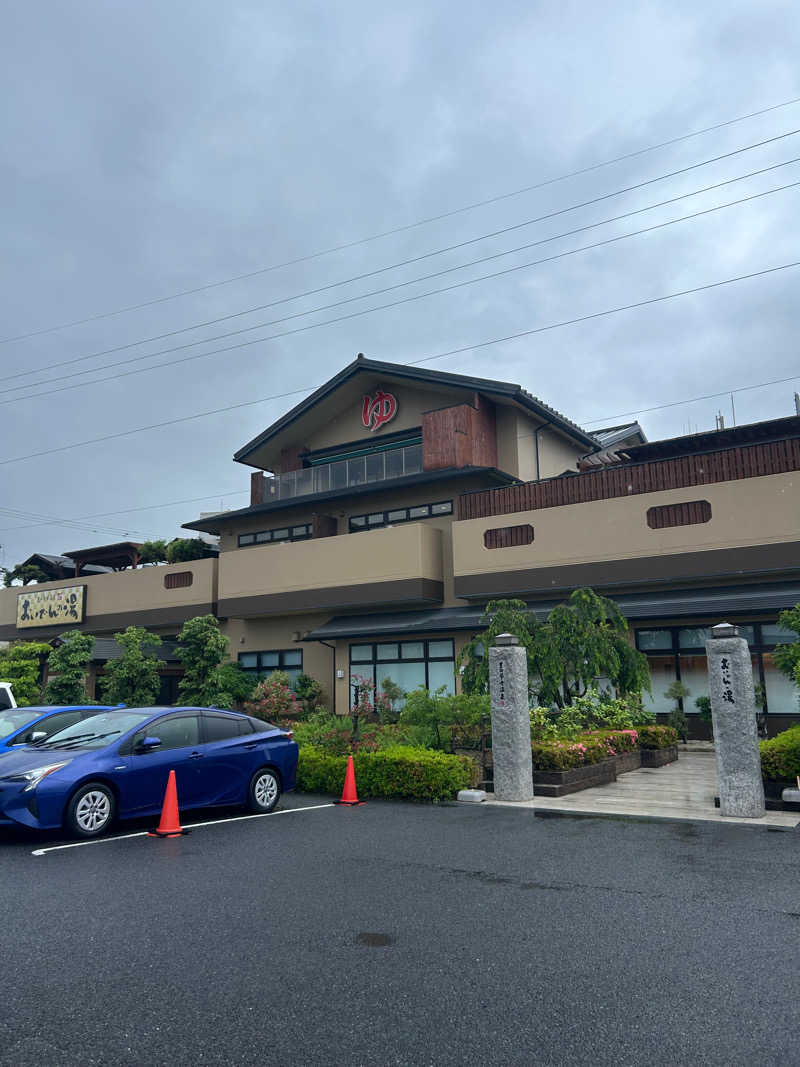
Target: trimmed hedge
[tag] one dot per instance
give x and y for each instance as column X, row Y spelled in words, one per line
column 780, row 755
column 657, row 737
column 617, row 741
column 402, row 772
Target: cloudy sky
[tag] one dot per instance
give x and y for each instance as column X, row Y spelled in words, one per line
column 147, row 149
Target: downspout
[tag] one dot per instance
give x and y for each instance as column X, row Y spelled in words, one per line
column 333, row 673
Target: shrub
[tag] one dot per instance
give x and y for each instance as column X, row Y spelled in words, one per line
column 273, row 701
column 434, row 715
column 617, row 741
column 210, row 679
column 542, row 726
column 133, row 678
column 780, row 756
column 67, row 668
column 308, row 691
column 399, row 772
column 563, row 755
column 186, row 549
column 593, row 712
column 679, row 723
column 334, row 734
column 657, row 737
column 22, row 665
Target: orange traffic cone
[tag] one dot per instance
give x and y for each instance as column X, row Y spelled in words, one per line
column 349, row 795
column 169, row 826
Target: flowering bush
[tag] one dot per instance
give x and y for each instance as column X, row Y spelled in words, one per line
column 657, row 737
column 617, row 741
column 273, row 701
column 562, row 755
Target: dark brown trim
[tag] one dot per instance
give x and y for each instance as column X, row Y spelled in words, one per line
column 632, row 479
column 686, row 513
column 761, row 560
column 370, row 594
column 102, row 624
column 508, row 536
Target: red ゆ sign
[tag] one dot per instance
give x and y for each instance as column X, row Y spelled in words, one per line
column 378, row 409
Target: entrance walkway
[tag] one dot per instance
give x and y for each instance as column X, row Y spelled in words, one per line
column 682, row 790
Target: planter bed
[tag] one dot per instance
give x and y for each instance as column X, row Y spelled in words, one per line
column 560, row 783
column 659, row 757
column 628, row 761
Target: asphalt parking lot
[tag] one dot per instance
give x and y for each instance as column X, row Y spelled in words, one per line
column 394, row 934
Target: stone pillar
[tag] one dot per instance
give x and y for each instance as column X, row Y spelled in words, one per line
column 733, row 710
column 511, row 724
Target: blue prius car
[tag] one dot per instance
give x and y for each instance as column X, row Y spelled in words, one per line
column 23, row 726
column 116, row 765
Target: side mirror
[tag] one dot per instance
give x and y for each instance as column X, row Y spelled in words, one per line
column 38, row 735
column 147, row 744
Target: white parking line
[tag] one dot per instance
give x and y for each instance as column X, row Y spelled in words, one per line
column 191, row 826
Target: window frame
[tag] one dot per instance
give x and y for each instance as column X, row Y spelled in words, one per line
column 758, row 649
column 262, row 671
column 368, row 667
column 354, row 527
column 251, row 539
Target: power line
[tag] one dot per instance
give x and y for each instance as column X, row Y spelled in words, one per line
column 73, row 524
column 425, row 359
column 405, row 228
column 585, row 422
column 393, row 266
column 129, row 511
column 381, row 307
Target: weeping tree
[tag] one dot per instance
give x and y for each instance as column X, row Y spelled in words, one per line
column 583, row 639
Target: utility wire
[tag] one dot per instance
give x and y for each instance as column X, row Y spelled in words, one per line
column 73, row 524
column 397, row 265
column 128, row 511
column 608, row 418
column 380, row 307
column 429, row 359
column 403, row 229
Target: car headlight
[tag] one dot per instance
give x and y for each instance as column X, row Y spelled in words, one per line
column 33, row 777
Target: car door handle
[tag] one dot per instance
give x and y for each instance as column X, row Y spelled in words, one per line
column 196, row 755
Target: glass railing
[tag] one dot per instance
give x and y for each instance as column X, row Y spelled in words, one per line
column 346, row 473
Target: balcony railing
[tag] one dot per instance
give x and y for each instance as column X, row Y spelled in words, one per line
column 346, row 473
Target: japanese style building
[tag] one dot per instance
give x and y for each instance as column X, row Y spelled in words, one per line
column 388, row 507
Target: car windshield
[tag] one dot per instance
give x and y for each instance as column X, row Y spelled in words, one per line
column 98, row 732
column 12, row 719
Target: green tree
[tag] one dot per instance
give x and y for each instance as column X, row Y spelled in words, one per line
column 309, row 692
column 22, row 665
column 583, row 639
column 153, row 552
column 185, row 549
column 67, row 668
column 25, row 573
column 210, row 678
column 787, row 657
column 133, row 679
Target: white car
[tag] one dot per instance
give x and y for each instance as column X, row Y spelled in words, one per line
column 6, row 696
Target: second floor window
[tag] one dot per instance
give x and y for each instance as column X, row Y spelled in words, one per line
column 373, row 519
column 282, row 533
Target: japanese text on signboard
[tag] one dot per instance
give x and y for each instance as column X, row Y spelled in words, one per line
column 51, row 607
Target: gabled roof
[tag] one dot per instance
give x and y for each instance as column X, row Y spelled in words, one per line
column 488, row 386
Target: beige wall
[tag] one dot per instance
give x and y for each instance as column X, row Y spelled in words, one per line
column 412, row 550
column 516, row 447
column 343, row 509
column 747, row 512
column 132, row 590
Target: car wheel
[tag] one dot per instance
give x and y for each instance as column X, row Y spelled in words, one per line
column 90, row 812
column 265, row 791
